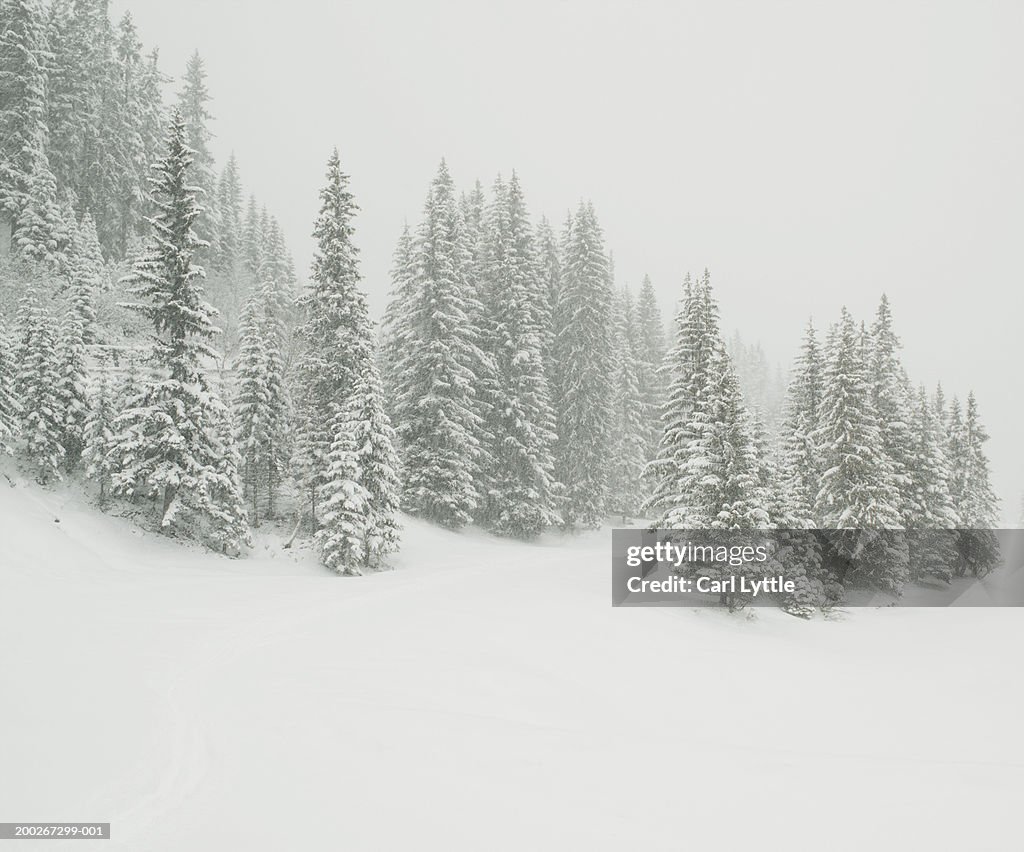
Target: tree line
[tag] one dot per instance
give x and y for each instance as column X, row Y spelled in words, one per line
column 513, row 383
column 859, row 450
column 210, row 459
column 526, row 391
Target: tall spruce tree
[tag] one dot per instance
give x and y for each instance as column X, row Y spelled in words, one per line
column 889, row 395
column 651, row 354
column 550, row 269
column 434, row 357
column 377, row 467
column 278, row 450
column 800, row 472
column 393, row 328
column 932, row 514
column 720, row 475
column 346, row 453
column 137, row 149
column 651, row 325
column 252, row 405
column 857, row 485
column 280, row 269
column 192, row 106
column 24, row 167
column 85, row 270
column 10, row 408
column 480, row 223
column 361, row 495
column 72, row 402
column 36, row 387
column 663, row 470
column 939, row 406
column 253, row 238
column 519, row 431
column 335, row 332
column 630, row 416
column 171, row 441
column 98, row 436
column 220, row 492
column 955, row 450
column 858, row 490
column 341, row 536
column 66, row 85
column 975, row 501
column 583, row 352
column 686, row 369
column 228, row 284
column 719, row 471
column 84, row 136
column 229, row 208
column 474, row 215
column 979, row 507
column 105, row 160
column 796, row 552
column 153, row 119
column 262, row 403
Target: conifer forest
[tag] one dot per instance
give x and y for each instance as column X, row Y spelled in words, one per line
column 159, row 343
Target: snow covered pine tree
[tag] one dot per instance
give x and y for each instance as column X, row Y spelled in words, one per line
column 582, row 347
column 169, row 441
column 433, row 365
column 859, row 495
column 36, row 388
column 519, row 462
column 98, row 434
column 10, row 408
column 347, row 457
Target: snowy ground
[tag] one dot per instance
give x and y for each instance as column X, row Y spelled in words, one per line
column 483, row 696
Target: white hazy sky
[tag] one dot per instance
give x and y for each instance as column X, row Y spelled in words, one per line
column 811, row 154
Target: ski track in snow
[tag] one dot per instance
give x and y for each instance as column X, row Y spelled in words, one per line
column 485, row 695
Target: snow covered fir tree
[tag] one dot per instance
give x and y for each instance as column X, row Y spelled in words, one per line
column 434, row 364
column 168, row 444
column 519, row 435
column 345, row 446
column 36, row 388
column 158, row 348
column 583, row 385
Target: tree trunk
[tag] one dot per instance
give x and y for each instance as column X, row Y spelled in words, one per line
column 169, row 492
column 295, row 532
column 255, row 504
column 270, row 490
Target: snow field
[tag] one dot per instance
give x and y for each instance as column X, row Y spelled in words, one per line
column 484, row 695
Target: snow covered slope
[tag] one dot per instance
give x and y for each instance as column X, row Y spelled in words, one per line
column 483, row 696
